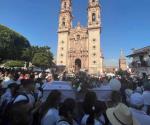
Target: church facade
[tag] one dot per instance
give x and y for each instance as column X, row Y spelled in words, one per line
column 79, row 47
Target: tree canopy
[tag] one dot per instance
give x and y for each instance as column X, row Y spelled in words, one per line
column 17, row 48
column 42, row 57
column 11, row 44
column 39, row 56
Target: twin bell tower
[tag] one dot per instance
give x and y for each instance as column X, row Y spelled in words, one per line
column 79, row 47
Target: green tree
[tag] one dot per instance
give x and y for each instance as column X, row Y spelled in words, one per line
column 43, row 59
column 14, row 63
column 29, row 53
column 12, row 44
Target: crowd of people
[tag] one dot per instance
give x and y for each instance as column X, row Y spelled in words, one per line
column 21, row 102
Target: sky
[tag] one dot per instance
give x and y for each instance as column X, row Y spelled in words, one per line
column 125, row 23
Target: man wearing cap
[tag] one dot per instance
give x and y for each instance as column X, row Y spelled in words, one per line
column 137, row 103
column 49, row 80
column 11, row 89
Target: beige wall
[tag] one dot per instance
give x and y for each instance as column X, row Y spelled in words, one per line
column 62, row 37
column 94, row 67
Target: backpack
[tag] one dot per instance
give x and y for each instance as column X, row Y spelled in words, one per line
column 6, row 108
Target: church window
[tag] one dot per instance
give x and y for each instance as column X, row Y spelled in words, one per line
column 62, row 42
column 78, row 37
column 93, row 17
column 63, row 22
column 62, row 48
column 61, row 62
column 61, row 55
column 94, row 47
column 94, row 62
column 94, row 54
column 93, row 1
column 94, row 39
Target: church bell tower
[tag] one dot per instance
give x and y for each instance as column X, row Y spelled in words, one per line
column 122, row 62
column 65, row 24
column 94, row 31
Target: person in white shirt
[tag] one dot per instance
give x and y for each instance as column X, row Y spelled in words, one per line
column 49, row 110
column 20, row 111
column 66, row 113
column 49, row 80
column 121, row 115
column 9, row 94
column 137, row 103
column 95, row 116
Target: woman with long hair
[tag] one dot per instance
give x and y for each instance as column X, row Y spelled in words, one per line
column 66, row 112
column 49, row 110
column 95, row 115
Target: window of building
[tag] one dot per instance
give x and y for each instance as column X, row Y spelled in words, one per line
column 61, row 55
column 61, row 62
column 93, row 1
column 63, row 22
column 78, row 37
column 94, row 54
column 94, row 62
column 62, row 48
column 94, row 47
column 62, row 42
column 93, row 17
column 94, row 40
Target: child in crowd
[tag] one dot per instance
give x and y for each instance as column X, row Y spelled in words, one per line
column 49, row 110
column 66, row 113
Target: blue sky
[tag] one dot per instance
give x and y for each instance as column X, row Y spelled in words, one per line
column 125, row 23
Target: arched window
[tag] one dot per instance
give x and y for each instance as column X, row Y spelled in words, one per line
column 93, row 17
column 63, row 22
column 93, row 1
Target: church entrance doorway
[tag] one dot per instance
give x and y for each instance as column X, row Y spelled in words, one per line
column 77, row 65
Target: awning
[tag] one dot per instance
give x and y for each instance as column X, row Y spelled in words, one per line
column 137, row 54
